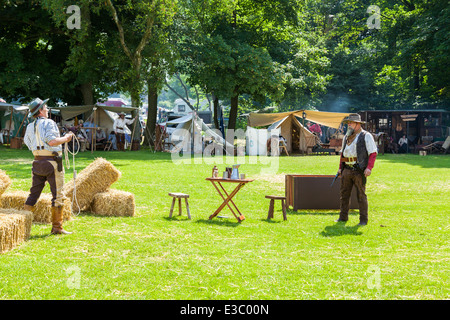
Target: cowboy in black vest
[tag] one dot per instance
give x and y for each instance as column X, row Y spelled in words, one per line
column 358, row 156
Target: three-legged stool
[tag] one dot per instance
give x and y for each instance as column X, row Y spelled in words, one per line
column 272, row 204
column 179, row 196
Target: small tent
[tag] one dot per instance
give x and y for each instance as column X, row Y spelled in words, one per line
column 13, row 120
column 188, row 134
column 298, row 138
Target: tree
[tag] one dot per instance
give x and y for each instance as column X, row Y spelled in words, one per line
column 136, row 22
column 33, row 55
column 228, row 57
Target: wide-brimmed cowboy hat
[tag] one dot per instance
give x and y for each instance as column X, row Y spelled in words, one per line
column 353, row 117
column 122, row 114
column 36, row 105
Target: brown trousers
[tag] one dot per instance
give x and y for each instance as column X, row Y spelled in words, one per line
column 42, row 171
column 120, row 140
column 349, row 179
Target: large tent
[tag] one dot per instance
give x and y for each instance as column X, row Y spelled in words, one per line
column 102, row 116
column 329, row 119
column 298, row 138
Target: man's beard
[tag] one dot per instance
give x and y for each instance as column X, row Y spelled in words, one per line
column 350, row 131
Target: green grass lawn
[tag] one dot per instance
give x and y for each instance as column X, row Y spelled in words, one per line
column 403, row 253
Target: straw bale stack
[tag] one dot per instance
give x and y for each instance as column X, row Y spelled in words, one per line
column 95, row 178
column 42, row 209
column 113, row 202
column 15, row 228
column 5, row 181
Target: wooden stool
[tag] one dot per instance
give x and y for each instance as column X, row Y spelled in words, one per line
column 179, row 196
column 272, row 204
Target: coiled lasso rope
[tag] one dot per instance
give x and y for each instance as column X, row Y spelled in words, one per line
column 66, row 156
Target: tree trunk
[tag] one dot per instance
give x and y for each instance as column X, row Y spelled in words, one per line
column 152, row 115
column 216, row 112
column 233, row 112
column 136, row 126
column 87, row 93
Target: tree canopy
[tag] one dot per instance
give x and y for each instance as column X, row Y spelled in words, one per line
column 284, row 54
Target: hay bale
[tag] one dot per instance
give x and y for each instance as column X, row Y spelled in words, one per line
column 113, row 202
column 42, row 212
column 5, row 181
column 15, row 228
column 95, row 178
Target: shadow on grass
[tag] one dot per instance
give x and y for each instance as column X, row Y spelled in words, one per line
column 318, row 212
column 273, row 220
column 226, row 222
column 40, row 236
column 340, row 229
column 177, row 218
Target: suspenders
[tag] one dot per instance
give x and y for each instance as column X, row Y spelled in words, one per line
column 40, row 145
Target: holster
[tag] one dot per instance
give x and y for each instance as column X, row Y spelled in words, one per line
column 58, row 160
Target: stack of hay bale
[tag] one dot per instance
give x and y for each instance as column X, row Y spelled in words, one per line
column 15, row 225
column 93, row 193
column 42, row 212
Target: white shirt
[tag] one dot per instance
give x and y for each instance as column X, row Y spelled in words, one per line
column 120, row 123
column 402, row 141
column 48, row 131
column 350, row 150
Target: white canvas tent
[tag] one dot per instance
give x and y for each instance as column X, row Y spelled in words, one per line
column 298, row 138
column 188, row 134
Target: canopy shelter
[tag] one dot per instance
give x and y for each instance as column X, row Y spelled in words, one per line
column 298, row 138
column 73, row 111
column 188, row 133
column 102, row 116
column 329, row 119
column 13, row 119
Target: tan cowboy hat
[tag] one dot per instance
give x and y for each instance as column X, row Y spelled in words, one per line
column 353, row 117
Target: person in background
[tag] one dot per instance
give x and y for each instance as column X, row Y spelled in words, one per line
column 315, row 128
column 403, row 144
column 119, row 129
column 89, row 124
column 112, row 138
column 100, row 136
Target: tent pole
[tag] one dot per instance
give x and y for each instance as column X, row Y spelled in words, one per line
column 132, row 134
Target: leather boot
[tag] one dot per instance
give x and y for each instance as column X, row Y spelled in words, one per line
column 57, row 221
column 28, row 208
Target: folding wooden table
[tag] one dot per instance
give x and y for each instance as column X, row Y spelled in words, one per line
column 217, row 183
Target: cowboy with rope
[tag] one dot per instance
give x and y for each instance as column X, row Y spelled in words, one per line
column 42, row 137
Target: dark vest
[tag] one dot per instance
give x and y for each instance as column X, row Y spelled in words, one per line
column 362, row 157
